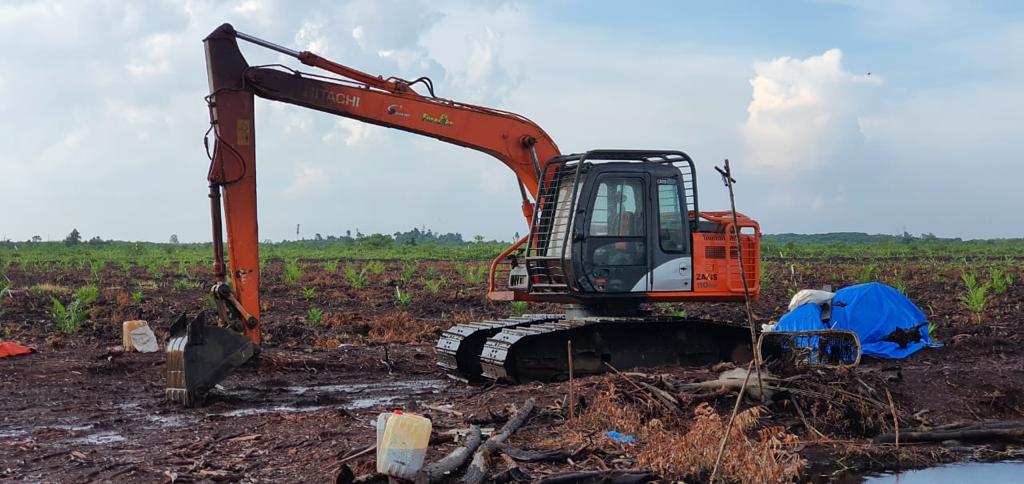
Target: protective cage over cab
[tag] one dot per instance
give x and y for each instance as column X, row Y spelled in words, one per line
column 625, row 225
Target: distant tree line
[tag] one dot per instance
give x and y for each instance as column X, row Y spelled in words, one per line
column 852, row 238
column 410, row 237
column 426, row 236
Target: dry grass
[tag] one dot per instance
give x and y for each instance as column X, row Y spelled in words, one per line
column 678, row 447
column 48, row 289
column 769, row 457
column 844, row 402
column 398, row 328
column 326, row 342
column 889, row 457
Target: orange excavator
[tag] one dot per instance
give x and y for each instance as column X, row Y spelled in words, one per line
column 610, row 230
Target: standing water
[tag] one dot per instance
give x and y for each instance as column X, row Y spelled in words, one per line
column 956, row 474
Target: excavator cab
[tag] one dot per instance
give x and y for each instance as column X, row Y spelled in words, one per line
column 632, row 225
column 624, row 226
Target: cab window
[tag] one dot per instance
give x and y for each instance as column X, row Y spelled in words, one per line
column 617, row 223
column 618, row 208
column 670, row 216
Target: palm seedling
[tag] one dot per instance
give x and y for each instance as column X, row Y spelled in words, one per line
column 356, row 278
column 976, row 296
column 314, row 316
column 402, row 299
column 292, row 272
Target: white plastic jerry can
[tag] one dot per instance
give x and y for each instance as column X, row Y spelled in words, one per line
column 382, row 421
column 403, row 443
column 126, row 336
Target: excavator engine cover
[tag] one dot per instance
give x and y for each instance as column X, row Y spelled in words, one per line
column 200, row 356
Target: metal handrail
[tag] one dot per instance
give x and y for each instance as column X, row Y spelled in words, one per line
column 501, row 257
column 571, row 216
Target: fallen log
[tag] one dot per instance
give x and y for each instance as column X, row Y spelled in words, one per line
column 489, row 419
column 477, row 471
column 689, row 399
column 662, row 395
column 602, row 477
column 943, row 435
column 733, row 380
column 522, row 455
column 513, row 473
column 652, row 397
column 968, row 425
column 437, row 470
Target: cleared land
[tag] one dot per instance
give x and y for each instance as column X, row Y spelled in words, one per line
column 80, row 409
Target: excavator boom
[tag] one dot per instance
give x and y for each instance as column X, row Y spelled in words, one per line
column 512, row 139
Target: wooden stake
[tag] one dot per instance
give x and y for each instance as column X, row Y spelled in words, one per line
column 728, row 428
column 895, row 421
column 729, row 181
column 572, row 395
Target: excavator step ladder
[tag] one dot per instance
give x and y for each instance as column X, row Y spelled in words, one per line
column 549, row 233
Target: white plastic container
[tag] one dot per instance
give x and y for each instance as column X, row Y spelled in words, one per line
column 402, row 440
column 382, row 421
column 126, row 337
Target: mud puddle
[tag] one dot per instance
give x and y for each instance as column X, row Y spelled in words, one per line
column 99, row 438
column 314, row 398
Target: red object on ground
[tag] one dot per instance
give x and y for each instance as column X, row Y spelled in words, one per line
column 14, row 349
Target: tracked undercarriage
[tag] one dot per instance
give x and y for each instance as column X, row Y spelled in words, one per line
column 534, row 347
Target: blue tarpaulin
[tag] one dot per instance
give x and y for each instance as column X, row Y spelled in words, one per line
column 873, row 311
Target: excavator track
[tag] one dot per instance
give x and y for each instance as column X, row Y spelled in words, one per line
column 458, row 349
column 538, row 351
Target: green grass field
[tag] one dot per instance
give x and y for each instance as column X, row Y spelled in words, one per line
column 158, row 257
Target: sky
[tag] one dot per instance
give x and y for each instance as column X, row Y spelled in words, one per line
column 872, row 116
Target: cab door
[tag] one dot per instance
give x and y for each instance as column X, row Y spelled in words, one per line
column 671, row 250
column 614, row 237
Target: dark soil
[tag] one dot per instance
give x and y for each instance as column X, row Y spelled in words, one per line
column 80, row 409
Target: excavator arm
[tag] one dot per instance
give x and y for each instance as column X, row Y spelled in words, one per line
column 514, row 140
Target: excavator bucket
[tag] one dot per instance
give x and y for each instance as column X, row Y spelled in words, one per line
column 200, row 356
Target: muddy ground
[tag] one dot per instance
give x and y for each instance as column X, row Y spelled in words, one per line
column 81, row 410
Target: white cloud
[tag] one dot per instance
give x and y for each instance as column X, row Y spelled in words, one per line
column 389, row 24
column 391, row 29
column 110, row 93
column 976, row 123
column 804, row 112
column 349, row 132
column 310, row 37
column 256, row 12
column 307, row 180
column 471, row 45
column 154, row 53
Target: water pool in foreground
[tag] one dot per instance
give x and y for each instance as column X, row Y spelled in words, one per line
column 992, row 473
